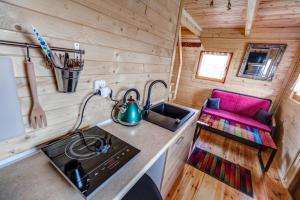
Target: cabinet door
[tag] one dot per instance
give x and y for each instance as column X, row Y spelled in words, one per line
column 176, row 157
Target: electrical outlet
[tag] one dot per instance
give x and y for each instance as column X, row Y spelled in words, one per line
column 98, row 84
column 105, row 91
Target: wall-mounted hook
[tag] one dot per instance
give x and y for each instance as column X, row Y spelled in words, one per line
column 229, row 5
column 27, row 53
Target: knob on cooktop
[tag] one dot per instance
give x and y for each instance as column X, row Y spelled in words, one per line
column 75, row 172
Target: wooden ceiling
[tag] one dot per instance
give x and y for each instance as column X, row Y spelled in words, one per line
column 278, row 13
column 270, row 13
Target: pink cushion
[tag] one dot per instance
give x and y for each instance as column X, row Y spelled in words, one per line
column 240, row 104
column 227, row 100
column 237, row 118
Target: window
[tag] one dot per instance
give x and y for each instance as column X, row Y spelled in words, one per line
column 296, row 90
column 213, row 66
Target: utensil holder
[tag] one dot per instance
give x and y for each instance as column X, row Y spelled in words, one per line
column 67, row 79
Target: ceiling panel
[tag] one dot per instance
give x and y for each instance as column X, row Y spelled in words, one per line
column 270, row 13
column 278, row 13
column 218, row 16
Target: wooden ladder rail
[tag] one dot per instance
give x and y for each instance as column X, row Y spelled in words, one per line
column 180, row 64
column 174, row 49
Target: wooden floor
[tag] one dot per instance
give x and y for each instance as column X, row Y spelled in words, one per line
column 193, row 184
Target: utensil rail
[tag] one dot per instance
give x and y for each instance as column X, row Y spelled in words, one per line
column 21, row 44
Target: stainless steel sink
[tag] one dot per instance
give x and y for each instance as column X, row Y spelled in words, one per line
column 167, row 116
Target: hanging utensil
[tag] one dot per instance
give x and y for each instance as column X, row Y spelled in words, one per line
column 56, row 61
column 46, row 49
column 42, row 43
column 37, row 114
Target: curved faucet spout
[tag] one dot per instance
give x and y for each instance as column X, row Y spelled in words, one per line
column 147, row 105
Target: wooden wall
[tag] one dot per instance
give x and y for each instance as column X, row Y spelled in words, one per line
column 127, row 43
column 288, row 120
column 193, row 92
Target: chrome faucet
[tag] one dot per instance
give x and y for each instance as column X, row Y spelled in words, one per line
column 148, row 105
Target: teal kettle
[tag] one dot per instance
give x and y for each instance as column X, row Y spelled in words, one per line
column 130, row 113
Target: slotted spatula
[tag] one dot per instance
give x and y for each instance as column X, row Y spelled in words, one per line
column 37, row 114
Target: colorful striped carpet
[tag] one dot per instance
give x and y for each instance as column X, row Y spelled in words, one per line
column 240, row 130
column 232, row 174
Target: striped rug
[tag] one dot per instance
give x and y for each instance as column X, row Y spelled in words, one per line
column 230, row 173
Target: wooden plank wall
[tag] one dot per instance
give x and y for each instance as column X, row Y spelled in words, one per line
column 194, row 92
column 288, row 121
column 127, row 43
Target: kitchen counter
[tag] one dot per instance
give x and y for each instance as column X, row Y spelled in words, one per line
column 36, row 178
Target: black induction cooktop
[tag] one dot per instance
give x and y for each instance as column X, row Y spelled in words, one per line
column 89, row 158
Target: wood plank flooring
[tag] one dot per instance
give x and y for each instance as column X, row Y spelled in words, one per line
column 192, row 184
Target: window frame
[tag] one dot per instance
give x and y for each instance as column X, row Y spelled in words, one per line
column 213, row 79
column 296, row 96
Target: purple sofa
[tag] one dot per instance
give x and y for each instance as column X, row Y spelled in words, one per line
column 240, row 108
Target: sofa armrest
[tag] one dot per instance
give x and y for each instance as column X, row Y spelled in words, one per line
column 273, row 122
column 204, row 105
column 272, row 125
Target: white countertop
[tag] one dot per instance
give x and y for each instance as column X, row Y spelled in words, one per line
column 35, row 178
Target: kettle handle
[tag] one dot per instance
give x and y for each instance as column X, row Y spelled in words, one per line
column 131, row 90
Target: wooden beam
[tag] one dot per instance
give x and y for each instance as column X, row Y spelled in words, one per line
column 251, row 11
column 188, row 21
